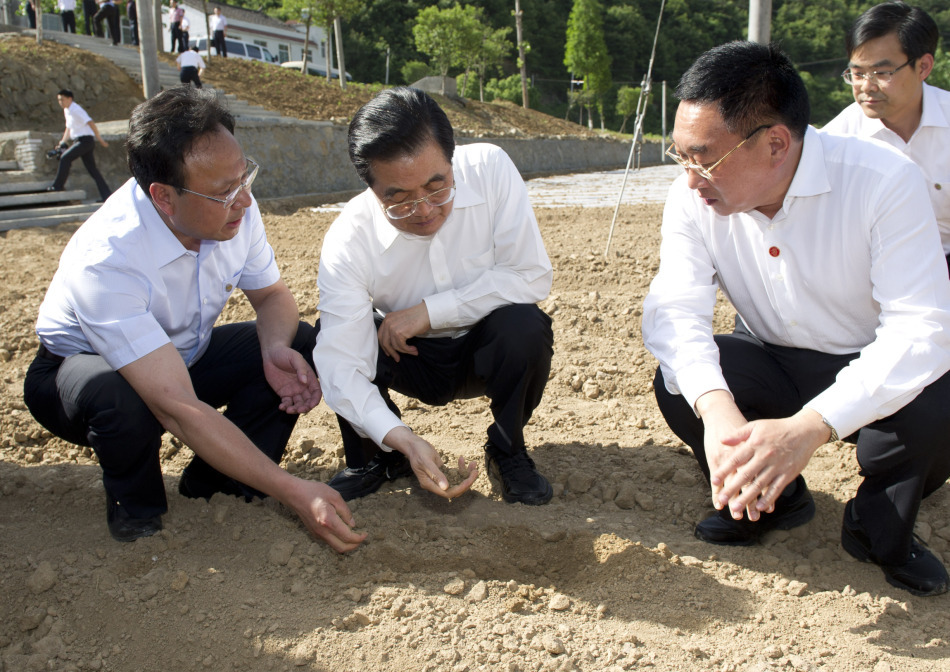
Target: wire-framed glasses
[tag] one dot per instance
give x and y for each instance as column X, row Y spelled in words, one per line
column 408, row 208
column 250, row 174
column 875, row 76
column 704, row 171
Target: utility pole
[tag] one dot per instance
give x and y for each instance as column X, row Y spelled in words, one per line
column 39, row 23
column 524, row 70
column 760, row 21
column 148, row 47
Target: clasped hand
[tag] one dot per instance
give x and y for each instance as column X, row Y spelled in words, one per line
column 289, row 375
column 751, row 464
column 401, row 325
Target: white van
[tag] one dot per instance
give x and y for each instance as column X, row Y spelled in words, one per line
column 237, row 49
column 315, row 70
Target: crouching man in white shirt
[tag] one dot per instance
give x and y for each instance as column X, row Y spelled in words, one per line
column 428, row 284
column 828, row 248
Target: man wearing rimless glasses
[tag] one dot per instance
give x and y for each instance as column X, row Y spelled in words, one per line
column 128, row 347
column 827, row 248
column 891, row 53
column 428, row 284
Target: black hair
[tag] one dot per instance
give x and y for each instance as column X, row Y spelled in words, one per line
column 163, row 129
column 67, row 93
column 397, row 122
column 916, row 30
column 751, row 84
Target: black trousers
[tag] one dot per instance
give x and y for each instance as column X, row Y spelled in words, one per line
column 68, row 18
column 506, row 357
column 902, row 458
column 189, row 73
column 177, row 43
column 109, row 13
column 89, row 9
column 83, row 149
column 220, row 46
column 83, row 400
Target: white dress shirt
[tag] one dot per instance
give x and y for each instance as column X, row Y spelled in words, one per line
column 487, row 254
column 126, row 285
column 849, row 264
column 191, row 59
column 929, row 147
column 77, row 121
column 66, row 5
column 217, row 22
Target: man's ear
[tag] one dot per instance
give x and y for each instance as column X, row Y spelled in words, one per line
column 780, row 143
column 926, row 66
column 163, row 196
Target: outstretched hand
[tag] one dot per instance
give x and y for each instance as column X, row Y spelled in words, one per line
column 427, row 465
column 326, row 515
column 290, row 376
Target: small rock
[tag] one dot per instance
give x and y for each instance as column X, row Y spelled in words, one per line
column 591, row 389
column 559, row 602
column 353, row 594
column 43, row 578
column 454, row 587
column 579, row 482
column 684, row 477
column 796, row 588
column 627, row 496
column 772, row 652
column 644, row 501
column 553, row 645
column 553, row 535
column 5, row 355
column 179, row 581
column 280, row 553
column 478, row 593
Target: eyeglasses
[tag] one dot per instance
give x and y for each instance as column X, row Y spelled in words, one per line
column 703, row 171
column 875, row 77
column 408, row 208
column 250, row 173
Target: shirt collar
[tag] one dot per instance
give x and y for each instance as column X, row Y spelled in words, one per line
column 811, row 176
column 932, row 113
column 465, row 197
column 164, row 246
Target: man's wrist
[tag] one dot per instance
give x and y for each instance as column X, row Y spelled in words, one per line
column 833, row 436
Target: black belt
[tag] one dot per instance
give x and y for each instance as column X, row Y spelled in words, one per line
column 46, row 354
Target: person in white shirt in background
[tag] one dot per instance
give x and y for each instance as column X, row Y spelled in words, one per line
column 190, row 66
column 83, row 131
column 428, row 283
column 827, row 247
column 67, row 13
column 219, row 26
column 891, row 53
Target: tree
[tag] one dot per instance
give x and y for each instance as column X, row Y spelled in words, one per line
column 585, row 53
column 305, row 9
column 448, row 36
column 627, row 99
column 488, row 57
column 331, row 13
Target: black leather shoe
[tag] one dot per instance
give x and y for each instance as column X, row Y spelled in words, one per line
column 790, row 511
column 520, row 479
column 922, row 574
column 124, row 527
column 352, row 483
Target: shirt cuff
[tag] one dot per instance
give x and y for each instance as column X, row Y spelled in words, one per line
column 379, row 423
column 697, row 380
column 443, row 310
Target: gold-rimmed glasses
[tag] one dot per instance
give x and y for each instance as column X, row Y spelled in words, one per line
column 701, row 170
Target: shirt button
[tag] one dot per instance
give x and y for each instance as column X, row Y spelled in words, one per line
column 938, row 187
column 204, row 301
column 793, row 323
column 774, row 251
column 779, row 278
column 229, row 287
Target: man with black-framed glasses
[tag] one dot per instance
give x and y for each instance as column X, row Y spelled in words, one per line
column 891, row 50
column 128, row 343
column 827, row 248
column 428, row 282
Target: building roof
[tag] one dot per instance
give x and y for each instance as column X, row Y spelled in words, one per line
column 241, row 14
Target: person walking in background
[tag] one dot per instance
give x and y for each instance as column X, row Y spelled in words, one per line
column 219, row 26
column 131, row 11
column 185, row 36
column 31, row 13
column 190, row 66
column 83, row 131
column 891, row 53
column 67, row 13
column 89, row 9
column 175, row 15
column 110, row 13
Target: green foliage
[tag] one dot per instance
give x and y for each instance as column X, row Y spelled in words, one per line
column 448, row 36
column 827, row 94
column 509, row 89
column 413, row 71
column 940, row 75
